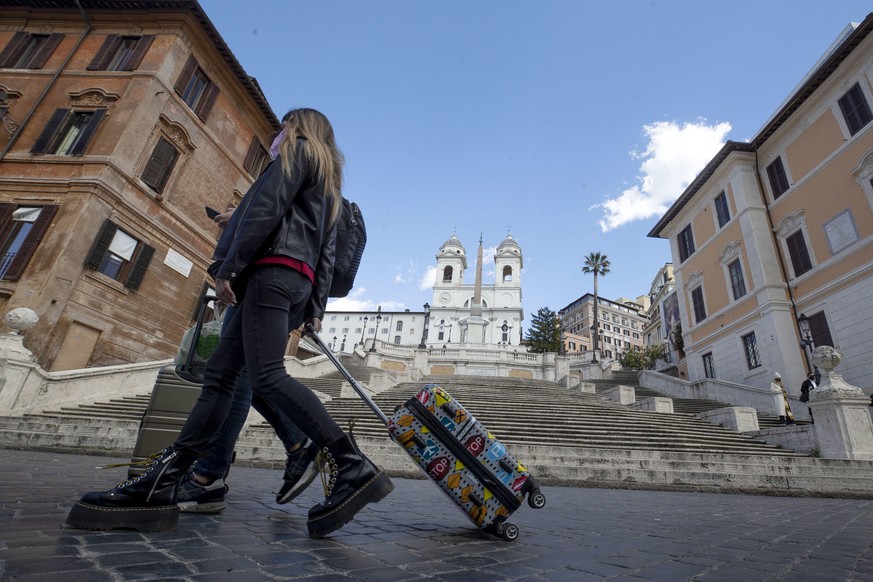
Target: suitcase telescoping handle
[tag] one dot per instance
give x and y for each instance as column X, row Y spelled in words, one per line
column 361, row 392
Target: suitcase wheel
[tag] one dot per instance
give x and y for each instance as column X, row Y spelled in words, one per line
column 508, row 531
column 536, row 499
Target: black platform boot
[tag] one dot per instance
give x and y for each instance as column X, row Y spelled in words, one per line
column 782, row 420
column 145, row 503
column 351, row 481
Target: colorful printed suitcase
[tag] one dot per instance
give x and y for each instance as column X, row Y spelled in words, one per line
column 458, row 454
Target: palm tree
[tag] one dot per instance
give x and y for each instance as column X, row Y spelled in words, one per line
column 599, row 265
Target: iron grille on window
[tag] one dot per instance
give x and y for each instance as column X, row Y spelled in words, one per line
column 750, row 347
column 708, row 365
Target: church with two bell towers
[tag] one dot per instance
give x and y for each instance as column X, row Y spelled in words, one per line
column 476, row 313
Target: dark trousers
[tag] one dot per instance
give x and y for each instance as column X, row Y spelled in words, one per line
column 272, row 306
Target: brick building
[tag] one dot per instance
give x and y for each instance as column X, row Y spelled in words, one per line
column 121, row 121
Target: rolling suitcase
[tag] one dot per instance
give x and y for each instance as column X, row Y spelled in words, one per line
column 176, row 390
column 458, row 454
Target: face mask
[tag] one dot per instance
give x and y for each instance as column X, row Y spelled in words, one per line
column 274, row 147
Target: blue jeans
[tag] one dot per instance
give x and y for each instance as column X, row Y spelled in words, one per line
column 255, row 338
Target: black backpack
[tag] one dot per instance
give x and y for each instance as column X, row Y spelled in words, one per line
column 351, row 237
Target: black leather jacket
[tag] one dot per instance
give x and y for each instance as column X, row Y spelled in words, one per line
column 281, row 216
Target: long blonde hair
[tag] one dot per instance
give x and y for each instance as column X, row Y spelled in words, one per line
column 320, row 149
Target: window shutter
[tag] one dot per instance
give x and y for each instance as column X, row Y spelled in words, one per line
column 13, row 49
column 51, row 129
column 45, row 51
column 189, row 69
column 251, row 156
column 88, row 132
column 6, row 223
column 144, row 257
column 207, row 101
column 139, row 52
column 28, row 247
column 101, row 244
column 101, row 59
column 158, row 169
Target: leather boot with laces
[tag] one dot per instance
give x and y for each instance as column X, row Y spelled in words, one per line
column 146, row 502
column 350, row 482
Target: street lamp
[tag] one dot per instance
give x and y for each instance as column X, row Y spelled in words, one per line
column 364, row 331
column 423, row 344
column 343, row 346
column 805, row 338
column 376, row 331
column 333, row 345
column 594, row 344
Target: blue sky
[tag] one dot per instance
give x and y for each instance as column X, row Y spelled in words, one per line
column 569, row 124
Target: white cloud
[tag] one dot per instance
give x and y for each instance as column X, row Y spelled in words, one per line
column 356, row 302
column 405, row 272
column 428, row 279
column 674, row 155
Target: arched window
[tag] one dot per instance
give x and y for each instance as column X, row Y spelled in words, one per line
column 447, row 274
column 507, row 274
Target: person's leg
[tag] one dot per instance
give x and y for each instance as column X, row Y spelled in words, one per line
column 300, row 469
column 149, row 501
column 275, row 298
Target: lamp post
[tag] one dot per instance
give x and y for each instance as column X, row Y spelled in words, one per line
column 805, row 339
column 423, row 344
column 343, row 346
column 333, row 345
column 594, row 343
column 376, row 331
column 364, row 331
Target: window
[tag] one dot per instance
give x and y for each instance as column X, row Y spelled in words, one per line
column 121, row 53
column 606, row 327
column 332, row 330
column 798, row 253
column 685, row 242
column 256, row 158
column 120, row 256
column 29, row 51
column 708, row 365
column 818, row 328
column 855, row 109
column 507, row 274
column 697, row 303
column 738, row 284
column 21, row 230
column 447, row 275
column 750, row 347
column 68, row 132
column 399, row 326
column 160, row 165
column 196, row 90
column 396, row 340
column 778, row 178
column 721, row 209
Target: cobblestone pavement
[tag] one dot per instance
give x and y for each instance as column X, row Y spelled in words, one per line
column 417, row 534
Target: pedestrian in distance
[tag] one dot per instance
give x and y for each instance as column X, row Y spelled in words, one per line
column 808, row 385
column 780, row 398
column 274, row 261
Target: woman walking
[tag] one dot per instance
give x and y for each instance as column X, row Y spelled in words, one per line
column 274, row 261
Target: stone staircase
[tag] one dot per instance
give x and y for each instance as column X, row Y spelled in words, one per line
column 564, row 437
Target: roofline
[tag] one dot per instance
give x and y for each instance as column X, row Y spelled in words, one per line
column 797, row 99
column 249, row 84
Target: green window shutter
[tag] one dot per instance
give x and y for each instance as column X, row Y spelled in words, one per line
column 50, row 131
column 42, row 55
column 28, row 247
column 88, row 132
column 144, row 257
column 101, row 244
column 139, row 52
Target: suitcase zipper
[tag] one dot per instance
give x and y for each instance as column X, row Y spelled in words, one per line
column 503, row 494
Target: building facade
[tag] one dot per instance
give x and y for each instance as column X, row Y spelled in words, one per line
column 662, row 316
column 773, row 241
column 620, row 325
column 344, row 331
column 122, row 120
